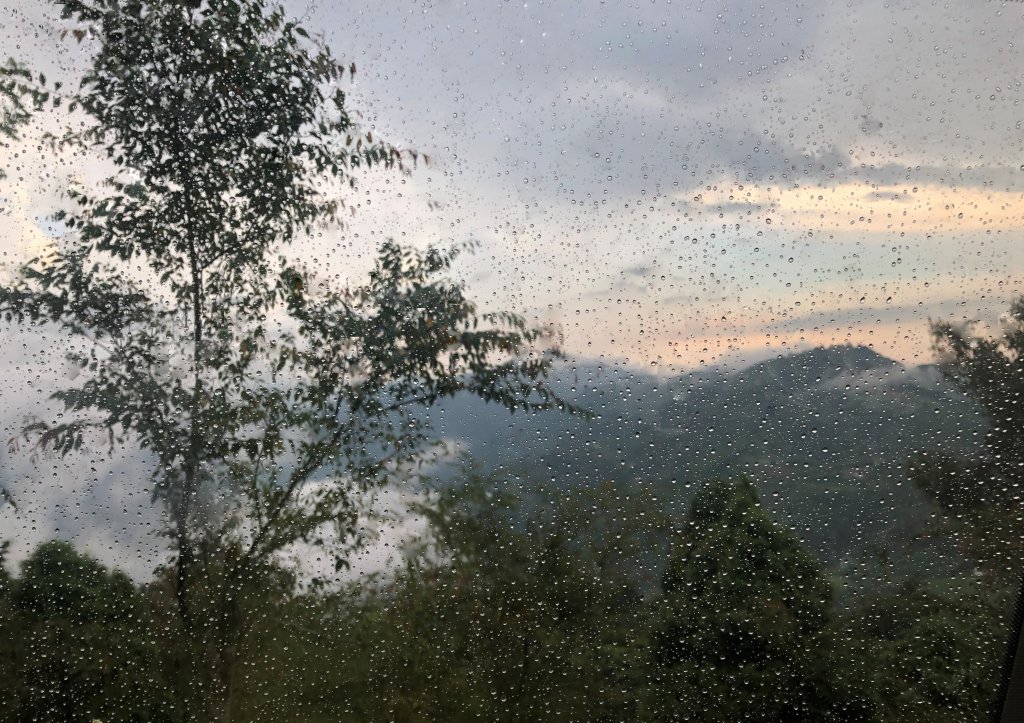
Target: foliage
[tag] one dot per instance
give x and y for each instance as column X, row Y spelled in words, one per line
column 745, row 611
column 269, row 398
column 981, row 496
column 498, row 614
column 21, row 94
column 923, row 656
column 520, row 608
column 79, row 643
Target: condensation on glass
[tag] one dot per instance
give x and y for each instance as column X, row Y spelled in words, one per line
column 519, row 361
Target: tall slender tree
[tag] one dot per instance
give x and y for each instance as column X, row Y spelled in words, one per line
column 269, row 398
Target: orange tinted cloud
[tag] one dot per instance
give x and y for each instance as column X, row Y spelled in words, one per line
column 871, row 208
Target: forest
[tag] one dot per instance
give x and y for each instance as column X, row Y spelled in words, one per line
column 584, row 602
column 559, row 614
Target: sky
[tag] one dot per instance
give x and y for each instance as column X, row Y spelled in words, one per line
column 669, row 184
column 678, row 184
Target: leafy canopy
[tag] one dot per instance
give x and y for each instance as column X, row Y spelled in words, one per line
column 269, row 397
column 746, row 607
column 981, row 496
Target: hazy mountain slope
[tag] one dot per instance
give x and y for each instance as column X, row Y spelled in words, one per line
column 824, row 433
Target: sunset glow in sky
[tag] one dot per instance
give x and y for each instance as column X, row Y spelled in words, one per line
column 674, row 183
column 668, row 184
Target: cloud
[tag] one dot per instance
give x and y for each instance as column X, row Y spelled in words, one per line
column 872, row 209
column 98, row 498
column 673, row 184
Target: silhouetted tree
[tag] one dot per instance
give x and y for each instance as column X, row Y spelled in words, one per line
column 982, row 496
column 269, row 397
column 82, row 643
column 21, row 94
column 745, row 613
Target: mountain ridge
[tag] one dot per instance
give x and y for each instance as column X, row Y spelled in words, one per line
column 824, row 433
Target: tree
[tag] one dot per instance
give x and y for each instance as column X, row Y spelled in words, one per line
column 981, row 497
column 269, row 398
column 83, row 643
column 923, row 656
column 11, row 645
column 21, row 94
column 504, row 611
column 745, row 613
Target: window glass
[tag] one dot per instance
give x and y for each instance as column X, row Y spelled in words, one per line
column 510, row 361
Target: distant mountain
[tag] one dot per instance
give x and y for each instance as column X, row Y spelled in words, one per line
column 825, row 435
column 837, row 407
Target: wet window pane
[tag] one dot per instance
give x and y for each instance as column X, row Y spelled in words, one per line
column 652, row 361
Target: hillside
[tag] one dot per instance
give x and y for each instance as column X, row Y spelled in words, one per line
column 824, row 434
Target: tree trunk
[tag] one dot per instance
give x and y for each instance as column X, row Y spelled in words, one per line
column 200, row 677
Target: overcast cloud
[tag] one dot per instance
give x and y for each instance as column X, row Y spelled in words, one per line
column 671, row 183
